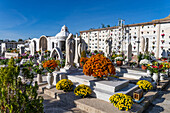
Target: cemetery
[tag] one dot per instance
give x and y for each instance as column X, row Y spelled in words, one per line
column 98, row 82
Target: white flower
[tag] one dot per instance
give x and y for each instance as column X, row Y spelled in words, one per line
column 145, row 61
column 119, row 58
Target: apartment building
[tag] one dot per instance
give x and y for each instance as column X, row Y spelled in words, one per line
column 156, row 35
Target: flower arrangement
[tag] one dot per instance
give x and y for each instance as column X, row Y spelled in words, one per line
column 24, row 55
column 82, row 90
column 38, row 68
column 65, row 85
column 39, row 51
column 83, row 60
column 163, row 34
column 121, row 101
column 30, row 57
column 145, row 85
column 98, row 66
column 162, row 41
column 119, row 59
column 145, row 62
column 154, row 25
column 3, row 61
column 50, row 65
column 14, row 51
column 18, row 59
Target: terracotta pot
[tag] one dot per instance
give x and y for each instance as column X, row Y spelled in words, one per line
column 119, row 63
column 144, row 67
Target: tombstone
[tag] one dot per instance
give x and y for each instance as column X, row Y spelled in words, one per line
column 147, row 45
column 129, row 52
column 69, row 52
column 142, row 44
column 108, row 46
column 56, row 52
column 22, row 50
column 77, row 57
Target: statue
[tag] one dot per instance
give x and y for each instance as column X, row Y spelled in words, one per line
column 143, row 44
column 108, row 46
column 69, row 52
column 82, row 47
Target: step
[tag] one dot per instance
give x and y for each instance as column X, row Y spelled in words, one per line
column 133, row 75
column 125, row 70
column 105, row 95
column 93, row 105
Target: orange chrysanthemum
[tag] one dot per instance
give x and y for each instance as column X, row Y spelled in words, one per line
column 98, row 66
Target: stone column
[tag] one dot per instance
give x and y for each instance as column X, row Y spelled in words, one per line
column 76, row 59
column 88, row 39
column 158, row 41
column 59, row 44
column 98, row 41
column 138, row 40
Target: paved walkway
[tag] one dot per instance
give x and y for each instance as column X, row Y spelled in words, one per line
column 52, row 105
column 162, row 103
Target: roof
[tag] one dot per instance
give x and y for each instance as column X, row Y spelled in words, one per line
column 164, row 20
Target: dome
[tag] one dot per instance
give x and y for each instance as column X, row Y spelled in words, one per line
column 63, row 34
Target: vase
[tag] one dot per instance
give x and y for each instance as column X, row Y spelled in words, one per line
column 155, row 77
column 39, row 78
column 119, row 63
column 148, row 73
column 162, row 75
column 144, row 67
column 50, row 79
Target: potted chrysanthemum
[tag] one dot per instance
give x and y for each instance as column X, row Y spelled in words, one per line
column 144, row 63
column 50, row 66
column 119, row 61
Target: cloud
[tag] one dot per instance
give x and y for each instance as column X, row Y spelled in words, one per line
column 11, row 18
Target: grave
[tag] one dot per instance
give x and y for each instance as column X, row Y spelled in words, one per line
column 9, row 55
column 103, row 89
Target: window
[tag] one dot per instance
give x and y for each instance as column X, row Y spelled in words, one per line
column 153, row 37
column 52, row 44
column 148, row 32
column 154, row 32
column 162, row 31
column 148, row 26
column 142, row 32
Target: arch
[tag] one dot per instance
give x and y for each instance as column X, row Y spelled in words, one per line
column 43, row 43
column 56, row 52
column 35, row 45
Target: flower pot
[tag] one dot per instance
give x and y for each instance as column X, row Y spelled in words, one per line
column 119, row 63
column 50, row 79
column 144, row 67
column 39, row 78
column 155, row 77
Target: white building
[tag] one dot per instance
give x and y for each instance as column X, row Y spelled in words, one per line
column 157, row 32
column 49, row 42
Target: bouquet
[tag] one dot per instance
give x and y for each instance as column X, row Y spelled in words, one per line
column 50, row 65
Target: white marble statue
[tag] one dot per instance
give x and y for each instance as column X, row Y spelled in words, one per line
column 108, row 46
column 69, row 52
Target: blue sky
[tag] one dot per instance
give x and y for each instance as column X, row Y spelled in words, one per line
column 33, row 18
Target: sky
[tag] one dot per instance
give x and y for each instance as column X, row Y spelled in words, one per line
column 32, row 18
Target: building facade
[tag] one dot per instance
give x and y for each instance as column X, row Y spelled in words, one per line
column 49, row 42
column 151, row 36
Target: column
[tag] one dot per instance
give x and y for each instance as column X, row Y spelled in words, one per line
column 158, row 41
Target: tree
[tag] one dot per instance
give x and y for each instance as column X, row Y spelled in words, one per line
column 19, row 40
column 108, row 25
column 103, row 26
column 13, row 41
column 17, row 96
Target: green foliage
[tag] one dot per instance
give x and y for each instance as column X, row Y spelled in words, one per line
column 140, row 57
column 17, row 96
column 83, row 54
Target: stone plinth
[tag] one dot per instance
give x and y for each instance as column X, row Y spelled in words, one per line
column 9, row 55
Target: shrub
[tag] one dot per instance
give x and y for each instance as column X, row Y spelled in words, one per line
column 121, row 101
column 17, row 96
column 98, row 66
column 65, row 84
column 82, row 90
column 145, row 85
